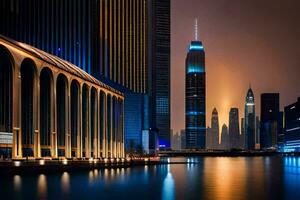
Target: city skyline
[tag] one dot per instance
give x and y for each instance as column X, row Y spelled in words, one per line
column 234, row 45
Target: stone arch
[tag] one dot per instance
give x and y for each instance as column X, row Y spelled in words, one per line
column 46, row 88
column 61, row 109
column 28, row 81
column 75, row 92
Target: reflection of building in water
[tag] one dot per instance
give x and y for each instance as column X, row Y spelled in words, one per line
column 168, row 190
column 65, row 182
column 54, row 109
column 17, row 183
column 42, row 187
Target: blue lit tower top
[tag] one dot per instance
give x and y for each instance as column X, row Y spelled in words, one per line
column 195, row 116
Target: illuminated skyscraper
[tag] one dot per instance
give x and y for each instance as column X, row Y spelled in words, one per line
column 250, row 121
column 234, row 128
column 195, row 121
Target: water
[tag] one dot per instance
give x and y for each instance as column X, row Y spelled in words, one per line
column 203, row 178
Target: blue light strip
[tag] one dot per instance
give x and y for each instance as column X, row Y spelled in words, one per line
column 195, row 69
column 196, row 47
column 195, row 113
column 196, row 128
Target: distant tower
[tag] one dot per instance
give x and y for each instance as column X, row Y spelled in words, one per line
column 224, row 138
column 234, row 128
column 250, row 121
column 257, row 133
column 215, row 129
column 242, row 136
column 195, row 121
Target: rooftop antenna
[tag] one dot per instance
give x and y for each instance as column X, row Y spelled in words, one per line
column 196, row 29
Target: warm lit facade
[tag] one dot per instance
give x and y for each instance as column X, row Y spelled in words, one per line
column 54, row 109
column 107, row 39
column 195, row 114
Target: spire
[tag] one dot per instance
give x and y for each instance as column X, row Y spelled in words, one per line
column 196, row 29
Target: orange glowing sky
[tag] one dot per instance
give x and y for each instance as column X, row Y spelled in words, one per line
column 245, row 41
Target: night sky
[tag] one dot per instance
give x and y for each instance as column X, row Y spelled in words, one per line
column 245, row 41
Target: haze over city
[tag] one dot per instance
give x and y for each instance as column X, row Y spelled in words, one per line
column 245, row 42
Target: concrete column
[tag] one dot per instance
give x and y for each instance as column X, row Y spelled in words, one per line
column 37, row 117
column 88, row 136
column 98, row 113
column 111, row 128
column 95, row 133
column 68, row 121
column 53, row 119
column 79, row 118
column 16, row 113
column 106, row 125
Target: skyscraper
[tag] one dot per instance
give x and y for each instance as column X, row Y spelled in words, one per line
column 215, row 129
column 183, row 139
column 224, row 138
column 159, row 72
column 242, row 135
column 234, row 128
column 257, row 133
column 292, row 127
column 195, row 121
column 250, row 121
column 269, row 120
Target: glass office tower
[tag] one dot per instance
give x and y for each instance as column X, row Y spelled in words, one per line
column 195, row 121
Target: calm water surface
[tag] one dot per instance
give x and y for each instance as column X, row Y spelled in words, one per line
column 203, row 178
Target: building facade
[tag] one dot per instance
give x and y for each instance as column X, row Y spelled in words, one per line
column 213, row 133
column 51, row 108
column 234, row 129
column 250, row 121
column 159, row 72
column 111, row 41
column 225, row 138
column 269, row 120
column 292, row 127
column 195, row 94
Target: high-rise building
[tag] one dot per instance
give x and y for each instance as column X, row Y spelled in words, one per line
column 280, row 131
column 183, row 139
column 269, row 120
column 208, row 138
column 292, row 127
column 224, row 138
column 234, row 129
column 195, row 115
column 257, row 133
column 108, row 39
column 250, row 121
column 159, row 72
column 242, row 135
column 215, row 129
column 175, row 141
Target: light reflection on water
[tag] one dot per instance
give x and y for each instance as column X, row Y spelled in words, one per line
column 42, row 187
column 201, row 178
